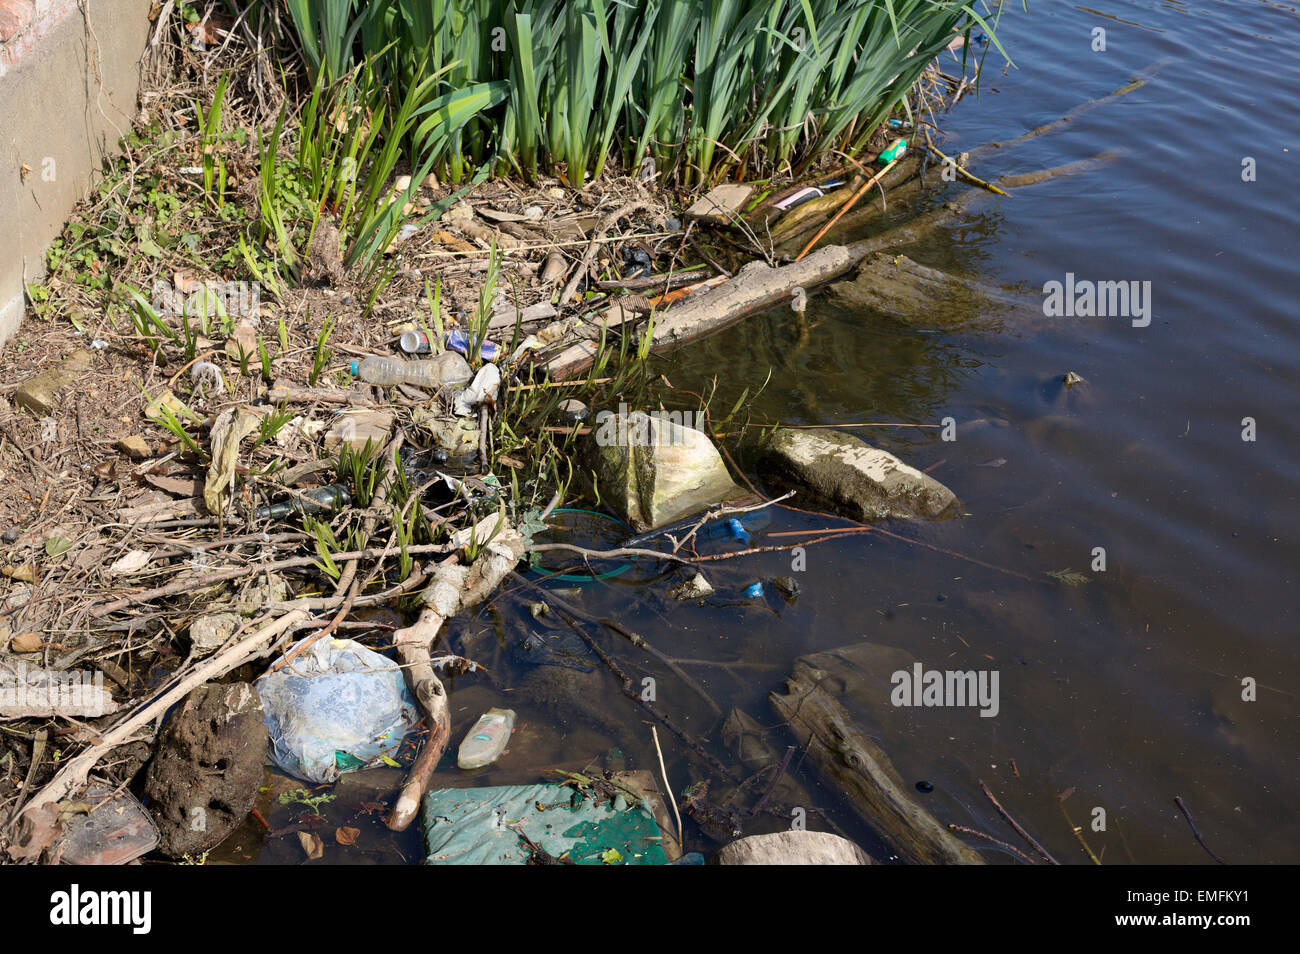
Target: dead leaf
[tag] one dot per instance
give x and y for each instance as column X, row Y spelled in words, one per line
column 174, row 485
column 346, row 836
column 311, row 844
column 39, row 829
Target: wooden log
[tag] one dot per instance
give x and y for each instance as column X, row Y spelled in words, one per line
column 895, row 285
column 849, row 761
column 754, row 287
column 580, row 355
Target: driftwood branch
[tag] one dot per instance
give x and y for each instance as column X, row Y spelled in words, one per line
column 453, row 588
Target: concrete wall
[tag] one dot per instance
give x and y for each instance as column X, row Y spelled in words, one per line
column 69, row 78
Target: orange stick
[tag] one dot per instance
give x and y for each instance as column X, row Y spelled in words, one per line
column 845, row 208
column 679, row 293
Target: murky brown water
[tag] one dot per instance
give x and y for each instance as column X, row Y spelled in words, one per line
column 1119, row 693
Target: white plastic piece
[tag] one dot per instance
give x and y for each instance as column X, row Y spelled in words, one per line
column 483, row 387
column 487, row 739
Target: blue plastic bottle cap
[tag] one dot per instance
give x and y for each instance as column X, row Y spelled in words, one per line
column 355, row 364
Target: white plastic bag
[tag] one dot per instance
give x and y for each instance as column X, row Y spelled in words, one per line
column 337, row 707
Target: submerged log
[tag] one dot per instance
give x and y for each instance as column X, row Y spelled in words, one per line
column 897, row 286
column 848, row 760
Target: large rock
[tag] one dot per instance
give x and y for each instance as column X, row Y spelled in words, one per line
column 799, row 847
column 205, row 777
column 653, row 470
column 852, row 477
column 39, row 394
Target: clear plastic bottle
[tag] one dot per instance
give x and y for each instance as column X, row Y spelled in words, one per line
column 446, row 368
column 487, row 739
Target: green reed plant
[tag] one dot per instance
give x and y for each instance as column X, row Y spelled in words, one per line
column 706, row 89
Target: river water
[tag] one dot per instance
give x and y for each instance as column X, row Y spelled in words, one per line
column 1132, row 683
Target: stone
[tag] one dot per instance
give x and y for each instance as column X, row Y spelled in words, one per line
column 653, row 470
column 796, row 847
column 269, row 588
column 205, row 777
column 209, row 633
column 14, row 16
column 130, row 563
column 787, row 586
column 720, row 205
column 851, row 477
column 696, row 588
column 135, row 447
column 26, row 643
column 573, row 411
column 453, row 436
column 325, row 255
column 38, row 393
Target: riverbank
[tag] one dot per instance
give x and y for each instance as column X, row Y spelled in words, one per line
column 200, row 479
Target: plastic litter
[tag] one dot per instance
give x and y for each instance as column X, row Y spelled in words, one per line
column 485, row 742
column 482, row 389
column 417, row 342
column 316, row 500
column 115, row 830
column 895, row 151
column 432, row 374
column 335, row 708
column 481, row 826
column 730, row 529
column 636, row 261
